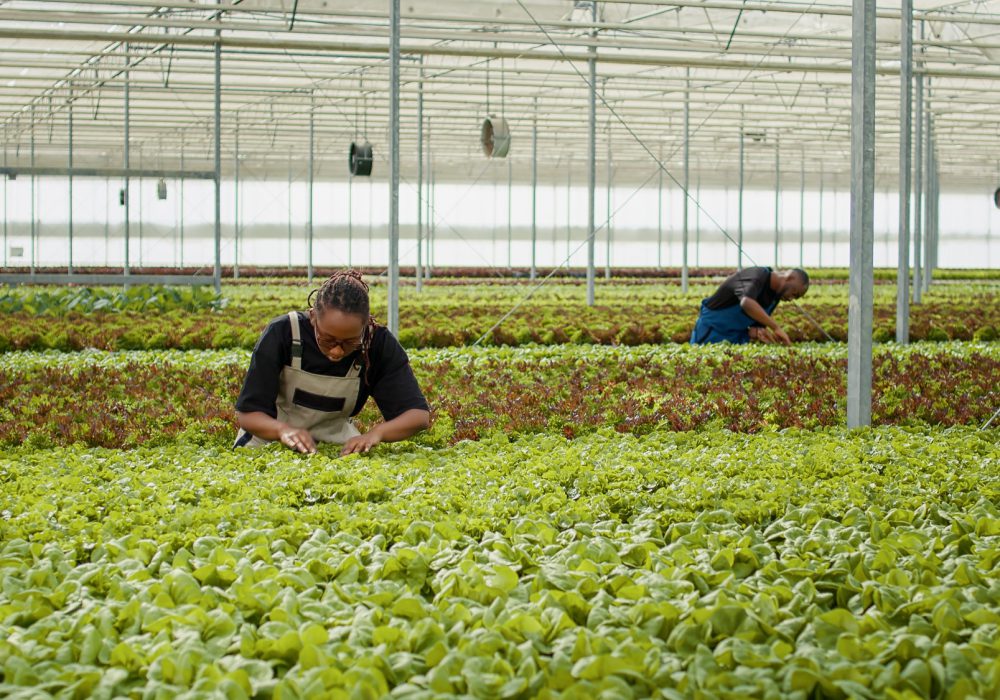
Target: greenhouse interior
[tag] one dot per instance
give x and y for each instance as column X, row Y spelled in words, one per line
column 525, row 349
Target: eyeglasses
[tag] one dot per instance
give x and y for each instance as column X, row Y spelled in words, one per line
column 347, row 346
column 327, row 343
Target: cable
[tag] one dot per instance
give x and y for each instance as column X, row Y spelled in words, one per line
column 813, row 320
column 565, row 260
column 660, row 166
column 643, row 144
column 990, row 421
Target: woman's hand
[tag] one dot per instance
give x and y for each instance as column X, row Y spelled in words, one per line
column 361, row 443
column 298, row 439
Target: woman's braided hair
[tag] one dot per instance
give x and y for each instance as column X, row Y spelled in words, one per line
column 346, row 291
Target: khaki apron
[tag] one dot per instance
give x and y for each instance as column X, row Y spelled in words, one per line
column 320, row 404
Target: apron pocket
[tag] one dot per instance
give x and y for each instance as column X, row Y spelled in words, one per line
column 318, row 402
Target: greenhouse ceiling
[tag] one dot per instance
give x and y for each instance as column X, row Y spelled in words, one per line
column 774, row 74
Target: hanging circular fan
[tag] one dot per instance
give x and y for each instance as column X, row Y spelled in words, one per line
column 495, row 137
column 360, row 159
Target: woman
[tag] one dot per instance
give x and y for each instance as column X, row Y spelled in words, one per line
column 311, row 373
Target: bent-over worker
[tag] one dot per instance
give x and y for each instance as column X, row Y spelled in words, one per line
column 311, row 373
column 741, row 308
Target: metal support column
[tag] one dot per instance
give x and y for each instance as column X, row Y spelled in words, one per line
column 290, row 209
column 6, row 210
column 431, row 206
column 739, row 201
column 420, row 179
column 697, row 218
column 937, row 210
column 534, row 193
column 822, row 177
column 905, row 168
column 659, row 212
column 777, row 199
column 510, row 212
column 139, row 201
column 591, row 161
column 217, row 272
column 687, row 180
column 860, row 306
column 429, row 202
column 236, row 198
column 312, row 180
column 350, row 221
column 69, row 179
column 930, row 205
column 569, row 211
column 802, row 210
column 127, row 203
column 918, row 180
column 393, row 314
column 181, row 198
column 34, row 222
column 611, row 215
column 107, row 221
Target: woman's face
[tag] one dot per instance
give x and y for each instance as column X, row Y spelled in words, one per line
column 338, row 334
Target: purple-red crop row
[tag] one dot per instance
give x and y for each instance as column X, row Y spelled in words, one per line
column 449, row 325
column 580, row 390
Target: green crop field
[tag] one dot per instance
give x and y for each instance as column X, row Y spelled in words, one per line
column 598, row 510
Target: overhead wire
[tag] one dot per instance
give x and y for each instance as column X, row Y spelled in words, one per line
column 660, row 166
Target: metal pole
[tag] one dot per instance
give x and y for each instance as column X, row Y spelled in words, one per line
column 591, row 161
column 431, row 204
column 236, row 198
column 607, row 248
column 569, row 210
column 534, row 193
column 860, row 311
column 420, row 178
column 821, row 183
column 802, row 210
column 107, row 220
column 931, row 212
column 218, row 161
column 127, row 76
column 777, row 199
column 350, row 220
column 290, row 209
column 739, row 201
column 918, row 180
column 6, row 211
column 697, row 219
column 937, row 210
column 905, row 166
column 34, row 231
column 139, row 199
column 394, row 169
column 181, row 198
column 69, row 116
column 312, row 177
column 510, row 206
column 659, row 212
column 687, row 180
column 493, row 229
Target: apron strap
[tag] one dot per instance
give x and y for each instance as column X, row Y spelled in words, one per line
column 296, row 340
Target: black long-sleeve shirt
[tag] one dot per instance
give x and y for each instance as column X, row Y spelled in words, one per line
column 753, row 282
column 390, row 381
